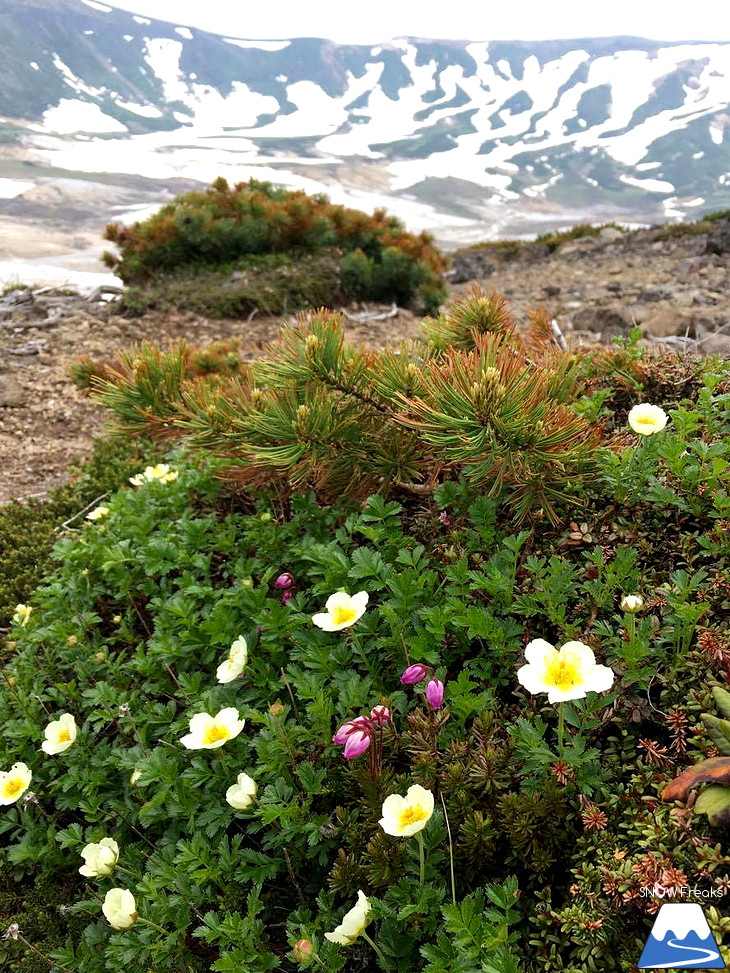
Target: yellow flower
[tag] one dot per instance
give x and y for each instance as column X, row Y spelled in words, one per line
column 135, row 776
column 353, row 923
column 97, row 513
column 14, row 783
column 22, row 614
column 120, row 908
column 632, row 603
column 647, row 419
column 100, row 858
column 235, row 663
column 241, row 794
column 566, row 674
column 342, row 611
column 405, row 816
column 60, row 735
column 208, row 732
column 161, row 473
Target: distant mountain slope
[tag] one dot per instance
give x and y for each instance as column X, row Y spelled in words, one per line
column 448, row 134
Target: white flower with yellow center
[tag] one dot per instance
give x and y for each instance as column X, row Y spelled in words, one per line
column 208, row 732
column 60, row 735
column 120, row 908
column 405, row 816
column 241, row 794
column 14, row 783
column 566, row 674
column 353, row 922
column 235, row 663
column 647, row 419
column 22, row 614
column 341, row 611
column 160, row 474
column 100, row 858
column 97, row 513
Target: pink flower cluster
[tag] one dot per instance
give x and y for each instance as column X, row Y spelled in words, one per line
column 284, row 583
column 357, row 734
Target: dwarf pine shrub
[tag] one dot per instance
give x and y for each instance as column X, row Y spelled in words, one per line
column 228, row 250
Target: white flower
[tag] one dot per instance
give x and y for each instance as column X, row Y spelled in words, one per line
column 566, row 674
column 353, row 923
column 97, row 513
column 241, row 794
column 235, row 663
column 160, row 473
column 100, row 858
column 342, row 611
column 135, row 776
column 647, row 419
column 120, row 908
column 22, row 614
column 632, row 603
column 60, row 734
column 208, row 732
column 14, row 783
column 405, row 816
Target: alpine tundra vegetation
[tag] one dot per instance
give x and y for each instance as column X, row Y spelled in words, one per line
column 397, row 660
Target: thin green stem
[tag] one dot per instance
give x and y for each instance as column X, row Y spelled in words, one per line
column 451, row 850
column 43, row 955
column 561, row 729
column 355, row 642
column 422, row 856
column 378, row 951
column 223, row 763
column 149, row 922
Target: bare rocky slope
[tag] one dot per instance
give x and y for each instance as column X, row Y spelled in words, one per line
column 675, row 288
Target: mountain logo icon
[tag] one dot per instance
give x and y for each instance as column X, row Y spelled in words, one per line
column 680, row 939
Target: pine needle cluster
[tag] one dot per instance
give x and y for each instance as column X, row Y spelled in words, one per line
column 469, row 395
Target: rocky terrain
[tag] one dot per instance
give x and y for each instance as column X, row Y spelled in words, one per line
column 675, row 288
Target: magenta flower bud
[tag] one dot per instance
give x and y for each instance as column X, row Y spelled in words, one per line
column 445, row 519
column 357, row 743
column 358, row 723
column 414, row 674
column 380, row 714
column 284, row 581
column 435, row 693
column 286, row 596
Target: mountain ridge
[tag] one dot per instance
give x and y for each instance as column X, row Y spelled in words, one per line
column 450, row 135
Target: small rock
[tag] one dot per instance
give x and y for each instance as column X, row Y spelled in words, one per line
column 610, row 234
column 667, row 322
column 606, row 321
column 719, row 240
column 658, row 293
column 715, row 344
column 12, row 392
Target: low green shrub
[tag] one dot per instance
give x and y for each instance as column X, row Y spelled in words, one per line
column 547, row 834
column 29, row 528
column 228, row 251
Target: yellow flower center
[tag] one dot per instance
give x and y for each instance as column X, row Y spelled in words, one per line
column 13, row 786
column 63, row 736
column 340, row 614
column 215, row 733
column 645, row 420
column 563, row 673
column 412, row 814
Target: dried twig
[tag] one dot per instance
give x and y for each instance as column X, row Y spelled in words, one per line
column 81, row 512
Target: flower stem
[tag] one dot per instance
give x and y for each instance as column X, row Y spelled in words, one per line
column 422, row 855
column 43, row 955
column 561, row 729
column 149, row 922
column 356, row 644
column 451, row 850
column 378, row 951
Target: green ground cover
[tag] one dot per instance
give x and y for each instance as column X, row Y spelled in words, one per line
column 537, row 830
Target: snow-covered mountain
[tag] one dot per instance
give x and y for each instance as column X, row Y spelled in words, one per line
column 470, row 139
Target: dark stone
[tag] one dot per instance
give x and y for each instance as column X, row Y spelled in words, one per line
column 606, row 321
column 719, row 240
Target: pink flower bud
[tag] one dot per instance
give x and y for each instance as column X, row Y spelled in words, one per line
column 357, row 743
column 435, row 693
column 358, row 723
column 303, row 950
column 284, row 581
column 380, row 714
column 445, row 519
column 414, row 674
column 286, row 596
